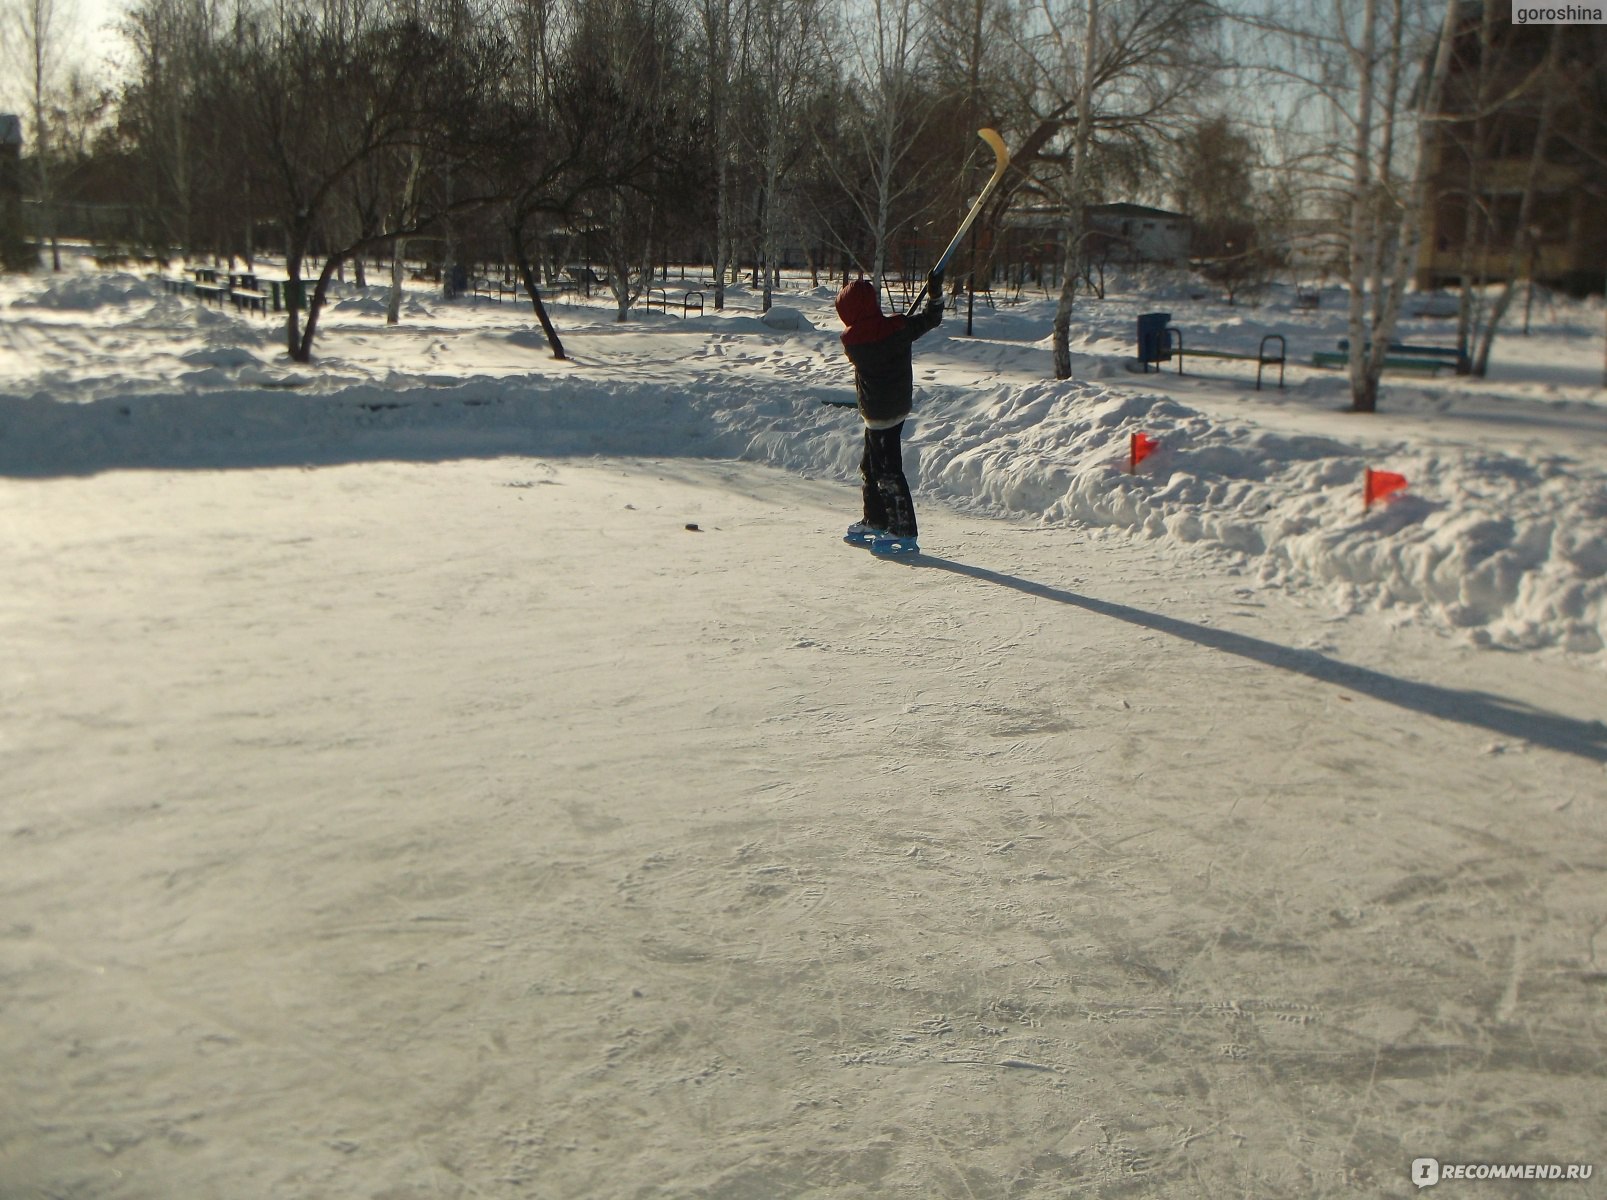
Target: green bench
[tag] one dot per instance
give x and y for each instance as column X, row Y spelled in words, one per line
column 1402, row 356
column 243, row 299
column 243, row 291
column 1338, row 358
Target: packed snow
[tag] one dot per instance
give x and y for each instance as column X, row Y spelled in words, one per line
column 439, row 770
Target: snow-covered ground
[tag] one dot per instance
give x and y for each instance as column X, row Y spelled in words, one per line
column 444, row 771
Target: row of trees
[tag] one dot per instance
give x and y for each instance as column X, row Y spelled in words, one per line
column 332, row 130
column 327, row 129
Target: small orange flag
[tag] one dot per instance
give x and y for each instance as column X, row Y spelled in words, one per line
column 1382, row 484
column 1140, row 447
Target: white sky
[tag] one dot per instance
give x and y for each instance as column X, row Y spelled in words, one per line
column 94, row 24
column 88, row 40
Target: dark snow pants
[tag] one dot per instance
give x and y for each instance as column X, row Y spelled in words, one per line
column 888, row 503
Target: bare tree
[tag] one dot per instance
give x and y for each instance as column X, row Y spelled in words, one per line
column 525, row 136
column 972, row 59
column 1366, row 76
column 1469, row 138
column 331, row 98
column 784, row 33
column 1232, row 219
column 1522, row 235
column 160, row 108
column 1074, row 198
column 542, row 143
column 623, row 67
column 1386, row 197
column 722, row 25
column 38, row 29
column 886, row 108
column 1107, row 79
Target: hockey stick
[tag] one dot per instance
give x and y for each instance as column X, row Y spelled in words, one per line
column 1001, row 158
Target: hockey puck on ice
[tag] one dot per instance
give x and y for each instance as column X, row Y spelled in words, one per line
column 691, row 527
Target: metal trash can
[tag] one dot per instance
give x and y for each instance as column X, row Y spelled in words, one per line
column 1153, row 344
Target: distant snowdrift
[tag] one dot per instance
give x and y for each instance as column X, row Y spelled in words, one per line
column 84, row 293
column 1512, row 551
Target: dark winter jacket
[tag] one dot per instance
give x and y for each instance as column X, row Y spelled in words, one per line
column 880, row 347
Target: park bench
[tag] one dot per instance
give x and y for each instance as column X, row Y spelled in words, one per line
column 1402, row 356
column 1158, row 340
column 585, row 277
column 1263, row 358
column 245, row 300
column 497, row 289
column 659, row 298
column 244, row 290
column 245, row 293
column 205, row 286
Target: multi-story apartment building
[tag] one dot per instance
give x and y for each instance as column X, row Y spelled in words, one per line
column 1482, row 149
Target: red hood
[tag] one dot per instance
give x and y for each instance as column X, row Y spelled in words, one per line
column 860, row 310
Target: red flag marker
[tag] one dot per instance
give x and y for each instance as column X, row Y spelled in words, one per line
column 1140, row 447
column 1382, row 484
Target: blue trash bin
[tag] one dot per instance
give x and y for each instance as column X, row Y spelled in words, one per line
column 1153, row 344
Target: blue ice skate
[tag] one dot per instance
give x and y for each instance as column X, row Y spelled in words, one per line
column 891, row 544
column 861, row 534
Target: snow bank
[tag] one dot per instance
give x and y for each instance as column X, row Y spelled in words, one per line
column 1506, row 545
column 85, row 293
column 1511, row 551
column 1514, row 551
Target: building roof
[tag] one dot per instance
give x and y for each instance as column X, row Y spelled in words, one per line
column 1136, row 210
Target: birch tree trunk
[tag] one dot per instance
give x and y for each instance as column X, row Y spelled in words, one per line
column 1076, row 202
column 36, row 23
column 393, row 306
column 722, row 221
column 717, row 33
column 1363, row 384
column 1370, row 253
